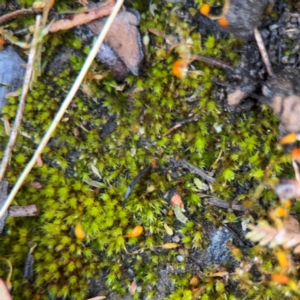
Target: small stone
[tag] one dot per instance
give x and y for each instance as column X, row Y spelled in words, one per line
column 294, row 20
column 285, row 60
column 180, row 258
column 176, row 239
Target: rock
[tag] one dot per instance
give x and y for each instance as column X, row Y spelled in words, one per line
column 11, row 73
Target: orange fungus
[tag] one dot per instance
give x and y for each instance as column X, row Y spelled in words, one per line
column 205, row 9
column 223, row 22
column 180, row 68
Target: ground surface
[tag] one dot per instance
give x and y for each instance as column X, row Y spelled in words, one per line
column 113, row 130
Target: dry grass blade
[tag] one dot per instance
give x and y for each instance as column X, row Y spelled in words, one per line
column 263, row 51
column 26, row 84
column 63, row 108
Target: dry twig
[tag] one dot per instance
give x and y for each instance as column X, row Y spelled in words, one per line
column 263, row 51
column 195, row 170
column 212, row 61
column 63, row 107
column 225, row 204
column 26, row 84
column 180, row 123
column 82, row 18
column 17, row 13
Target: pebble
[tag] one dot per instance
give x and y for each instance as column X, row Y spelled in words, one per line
column 294, row 20
column 180, row 258
column 176, row 239
column 285, row 60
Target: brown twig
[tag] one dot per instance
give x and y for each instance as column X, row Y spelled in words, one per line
column 21, row 107
column 180, row 123
column 23, row 211
column 194, row 170
column 17, row 13
column 224, row 204
column 212, row 61
column 82, row 18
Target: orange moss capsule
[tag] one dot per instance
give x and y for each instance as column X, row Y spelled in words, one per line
column 287, row 204
column 2, row 41
column 136, row 231
column 283, row 259
column 280, row 278
column 289, row 139
column 79, row 232
column 180, row 68
column 205, row 9
column 296, row 154
column 281, row 212
column 223, row 22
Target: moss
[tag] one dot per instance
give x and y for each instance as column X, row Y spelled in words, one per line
column 63, row 264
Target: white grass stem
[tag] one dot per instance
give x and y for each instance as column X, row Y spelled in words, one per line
column 63, row 107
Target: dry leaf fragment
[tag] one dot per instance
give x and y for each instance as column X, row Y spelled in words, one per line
column 123, row 39
column 176, row 200
column 35, row 184
column 168, row 246
column 177, row 204
column 219, row 274
column 288, row 189
column 291, row 224
column 95, row 170
column 133, row 287
column 266, row 234
column 168, row 229
column 200, row 184
column 179, row 215
column 94, row 183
